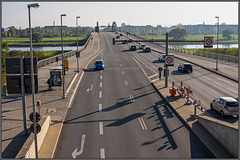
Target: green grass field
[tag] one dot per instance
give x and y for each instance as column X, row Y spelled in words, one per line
column 196, row 38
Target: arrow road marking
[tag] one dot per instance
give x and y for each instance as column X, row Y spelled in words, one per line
column 88, row 90
column 75, row 153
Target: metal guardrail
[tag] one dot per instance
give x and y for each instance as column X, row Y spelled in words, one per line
column 53, row 59
column 223, row 57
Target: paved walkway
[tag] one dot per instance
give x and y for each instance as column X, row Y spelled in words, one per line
column 53, row 103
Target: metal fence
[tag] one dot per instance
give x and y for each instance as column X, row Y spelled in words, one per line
column 53, row 59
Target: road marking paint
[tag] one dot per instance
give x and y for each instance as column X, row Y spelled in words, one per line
column 141, row 121
column 123, row 72
column 224, row 80
column 89, row 89
column 126, row 83
column 71, row 83
column 153, row 76
column 120, row 65
column 155, row 80
column 101, row 71
column 131, row 98
column 100, row 94
column 100, row 107
column 101, row 77
column 101, row 128
column 102, row 153
column 100, row 84
column 75, row 153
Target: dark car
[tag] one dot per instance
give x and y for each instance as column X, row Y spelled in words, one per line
column 146, row 49
column 132, row 47
column 130, row 40
column 99, row 64
column 185, row 67
column 118, row 37
column 121, row 34
column 124, row 41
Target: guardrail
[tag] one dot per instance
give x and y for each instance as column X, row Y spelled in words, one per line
column 53, row 59
column 223, row 57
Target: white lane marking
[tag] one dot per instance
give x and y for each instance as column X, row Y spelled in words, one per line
column 224, row 80
column 153, row 76
column 120, row 65
column 75, row 153
column 101, row 77
column 102, row 153
column 219, row 83
column 100, row 94
column 123, row 72
column 100, row 84
column 126, row 83
column 71, row 83
column 100, row 107
column 101, row 128
column 132, row 98
column 141, row 121
column 155, row 80
column 89, row 89
column 101, row 71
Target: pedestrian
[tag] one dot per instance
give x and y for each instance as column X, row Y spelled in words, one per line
column 49, row 81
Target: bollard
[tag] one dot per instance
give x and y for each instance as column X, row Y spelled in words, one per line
column 172, row 84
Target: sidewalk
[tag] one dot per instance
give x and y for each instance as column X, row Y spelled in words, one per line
column 227, row 69
column 52, row 102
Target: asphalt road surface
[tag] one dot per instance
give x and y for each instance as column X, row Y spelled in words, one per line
column 118, row 114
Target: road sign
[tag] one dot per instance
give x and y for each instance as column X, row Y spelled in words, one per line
column 66, row 64
column 38, row 117
column 208, row 42
column 169, row 60
column 32, row 128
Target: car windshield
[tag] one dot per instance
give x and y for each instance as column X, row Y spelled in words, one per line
column 232, row 104
column 99, row 62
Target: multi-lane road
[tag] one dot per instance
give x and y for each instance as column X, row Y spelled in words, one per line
column 118, row 114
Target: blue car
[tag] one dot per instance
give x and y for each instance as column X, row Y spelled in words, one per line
column 99, row 64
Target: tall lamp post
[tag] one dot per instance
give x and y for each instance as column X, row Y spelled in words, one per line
column 217, row 43
column 78, row 54
column 62, row 55
column 34, row 5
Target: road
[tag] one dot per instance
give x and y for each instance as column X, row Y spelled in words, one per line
column 118, row 114
column 206, row 85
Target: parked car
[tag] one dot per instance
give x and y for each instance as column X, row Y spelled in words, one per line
column 116, row 32
column 146, row 49
column 162, row 57
column 125, row 41
column 132, row 47
column 118, row 37
column 185, row 67
column 121, row 34
column 141, row 46
column 130, row 40
column 226, row 106
column 99, row 64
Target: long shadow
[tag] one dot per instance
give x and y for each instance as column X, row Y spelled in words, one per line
column 125, row 120
column 89, row 70
column 13, row 99
column 216, row 115
column 157, row 61
column 15, row 145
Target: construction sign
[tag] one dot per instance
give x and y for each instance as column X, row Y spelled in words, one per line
column 66, row 64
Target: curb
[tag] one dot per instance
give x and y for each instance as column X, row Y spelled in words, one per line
column 74, row 95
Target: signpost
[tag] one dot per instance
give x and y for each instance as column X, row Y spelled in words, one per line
column 169, row 60
column 208, row 42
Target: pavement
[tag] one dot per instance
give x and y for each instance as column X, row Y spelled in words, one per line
column 52, row 102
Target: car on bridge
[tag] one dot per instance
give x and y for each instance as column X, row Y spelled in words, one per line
column 99, row 64
column 130, row 40
column 162, row 57
column 147, row 49
column 185, row 67
column 121, row 34
column 132, row 47
column 226, row 106
column 125, row 41
column 118, row 37
column 141, row 46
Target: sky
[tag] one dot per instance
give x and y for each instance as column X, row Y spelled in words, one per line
column 133, row 13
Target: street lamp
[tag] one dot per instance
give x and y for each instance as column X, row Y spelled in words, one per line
column 217, row 43
column 34, row 5
column 62, row 55
column 78, row 54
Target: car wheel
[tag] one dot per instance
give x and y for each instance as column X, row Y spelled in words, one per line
column 222, row 114
column 211, row 107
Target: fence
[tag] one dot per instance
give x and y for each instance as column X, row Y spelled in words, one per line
column 53, row 59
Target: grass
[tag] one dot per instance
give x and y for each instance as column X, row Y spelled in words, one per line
column 196, row 38
column 3, row 79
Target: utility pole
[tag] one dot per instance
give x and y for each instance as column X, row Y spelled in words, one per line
column 166, row 67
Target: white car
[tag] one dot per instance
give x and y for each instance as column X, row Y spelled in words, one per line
column 162, row 58
column 141, row 46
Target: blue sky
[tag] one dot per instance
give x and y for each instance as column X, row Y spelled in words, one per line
column 133, row 13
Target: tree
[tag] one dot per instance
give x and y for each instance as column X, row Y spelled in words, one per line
column 178, row 34
column 226, row 34
column 37, row 37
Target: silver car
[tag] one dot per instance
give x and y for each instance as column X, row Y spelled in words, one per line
column 226, row 106
column 162, row 57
